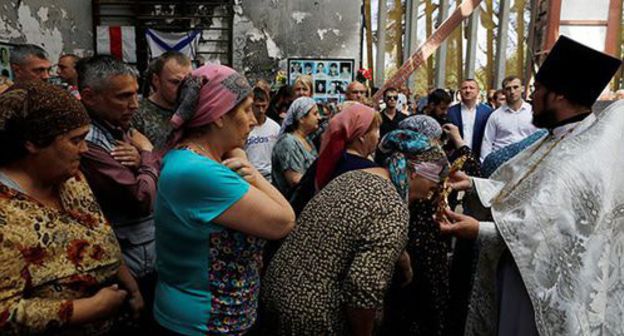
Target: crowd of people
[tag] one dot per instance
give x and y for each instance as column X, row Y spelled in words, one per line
column 212, row 206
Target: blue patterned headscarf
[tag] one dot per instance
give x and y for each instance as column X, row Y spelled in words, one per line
column 298, row 109
column 416, row 151
column 423, row 124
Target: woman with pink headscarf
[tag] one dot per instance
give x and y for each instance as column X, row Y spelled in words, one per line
column 213, row 211
column 351, row 137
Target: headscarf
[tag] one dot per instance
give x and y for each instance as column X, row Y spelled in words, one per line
column 298, row 109
column 208, row 94
column 36, row 111
column 412, row 149
column 346, row 126
column 424, row 124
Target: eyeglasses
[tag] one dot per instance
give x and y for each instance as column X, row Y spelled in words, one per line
column 392, row 97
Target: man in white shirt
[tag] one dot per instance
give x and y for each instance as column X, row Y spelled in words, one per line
column 470, row 116
column 262, row 138
column 511, row 122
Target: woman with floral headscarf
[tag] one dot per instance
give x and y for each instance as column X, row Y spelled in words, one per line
column 62, row 269
column 294, row 152
column 213, row 211
column 421, row 307
column 330, row 275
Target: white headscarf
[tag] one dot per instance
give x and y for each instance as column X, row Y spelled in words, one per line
column 298, row 109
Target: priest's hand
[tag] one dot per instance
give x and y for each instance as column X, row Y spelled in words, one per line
column 459, row 225
column 459, row 181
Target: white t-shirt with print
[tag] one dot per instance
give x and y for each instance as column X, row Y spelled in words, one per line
column 260, row 145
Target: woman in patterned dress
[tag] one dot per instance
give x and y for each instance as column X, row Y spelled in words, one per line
column 330, row 275
column 62, row 271
column 213, row 211
column 420, row 307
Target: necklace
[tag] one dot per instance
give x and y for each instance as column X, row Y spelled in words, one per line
column 506, row 192
column 201, row 148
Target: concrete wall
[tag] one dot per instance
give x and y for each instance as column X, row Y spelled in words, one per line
column 59, row 26
column 268, row 32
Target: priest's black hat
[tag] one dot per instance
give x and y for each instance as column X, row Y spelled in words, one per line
column 576, row 71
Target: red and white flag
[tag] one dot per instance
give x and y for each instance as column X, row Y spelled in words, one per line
column 118, row 41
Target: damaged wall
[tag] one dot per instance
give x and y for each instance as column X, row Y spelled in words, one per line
column 268, row 32
column 59, row 26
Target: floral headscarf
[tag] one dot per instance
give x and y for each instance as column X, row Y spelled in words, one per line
column 298, row 109
column 36, row 110
column 209, row 93
column 416, row 151
column 423, row 124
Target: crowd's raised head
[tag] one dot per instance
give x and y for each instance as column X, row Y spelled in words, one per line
column 303, row 86
column 164, row 76
column 29, row 61
column 356, row 91
column 95, row 72
column 66, row 68
column 109, row 89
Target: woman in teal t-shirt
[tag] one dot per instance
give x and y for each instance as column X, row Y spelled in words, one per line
column 213, row 211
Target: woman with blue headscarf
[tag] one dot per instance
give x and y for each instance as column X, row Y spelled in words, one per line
column 294, row 152
column 330, row 275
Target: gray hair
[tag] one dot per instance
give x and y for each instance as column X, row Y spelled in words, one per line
column 21, row 53
column 95, row 71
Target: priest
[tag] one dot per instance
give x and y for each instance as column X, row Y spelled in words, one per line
column 552, row 253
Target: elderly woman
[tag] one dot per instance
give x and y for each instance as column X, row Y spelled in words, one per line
column 294, row 152
column 213, row 211
column 330, row 275
column 62, row 270
column 348, row 143
column 303, row 87
column 421, row 307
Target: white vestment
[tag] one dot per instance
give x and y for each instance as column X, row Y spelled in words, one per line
column 558, row 207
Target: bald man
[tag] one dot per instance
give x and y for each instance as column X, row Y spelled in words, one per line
column 356, row 91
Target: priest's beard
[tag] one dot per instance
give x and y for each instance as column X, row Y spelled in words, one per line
column 547, row 118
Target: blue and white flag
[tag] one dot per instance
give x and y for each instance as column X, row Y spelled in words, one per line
column 160, row 42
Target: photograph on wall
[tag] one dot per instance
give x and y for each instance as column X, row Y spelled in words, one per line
column 330, row 77
column 5, row 67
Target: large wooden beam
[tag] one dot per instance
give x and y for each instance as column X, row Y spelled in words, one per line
column 471, row 48
column 520, row 7
column 398, row 32
column 440, row 59
column 429, row 31
column 613, row 26
column 501, row 41
column 380, row 65
column 554, row 19
column 459, row 45
column 369, row 39
column 430, row 45
column 489, row 26
column 411, row 33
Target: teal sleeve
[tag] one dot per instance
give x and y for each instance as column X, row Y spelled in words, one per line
column 205, row 189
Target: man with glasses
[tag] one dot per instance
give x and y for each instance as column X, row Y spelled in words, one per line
column 29, row 62
column 390, row 117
